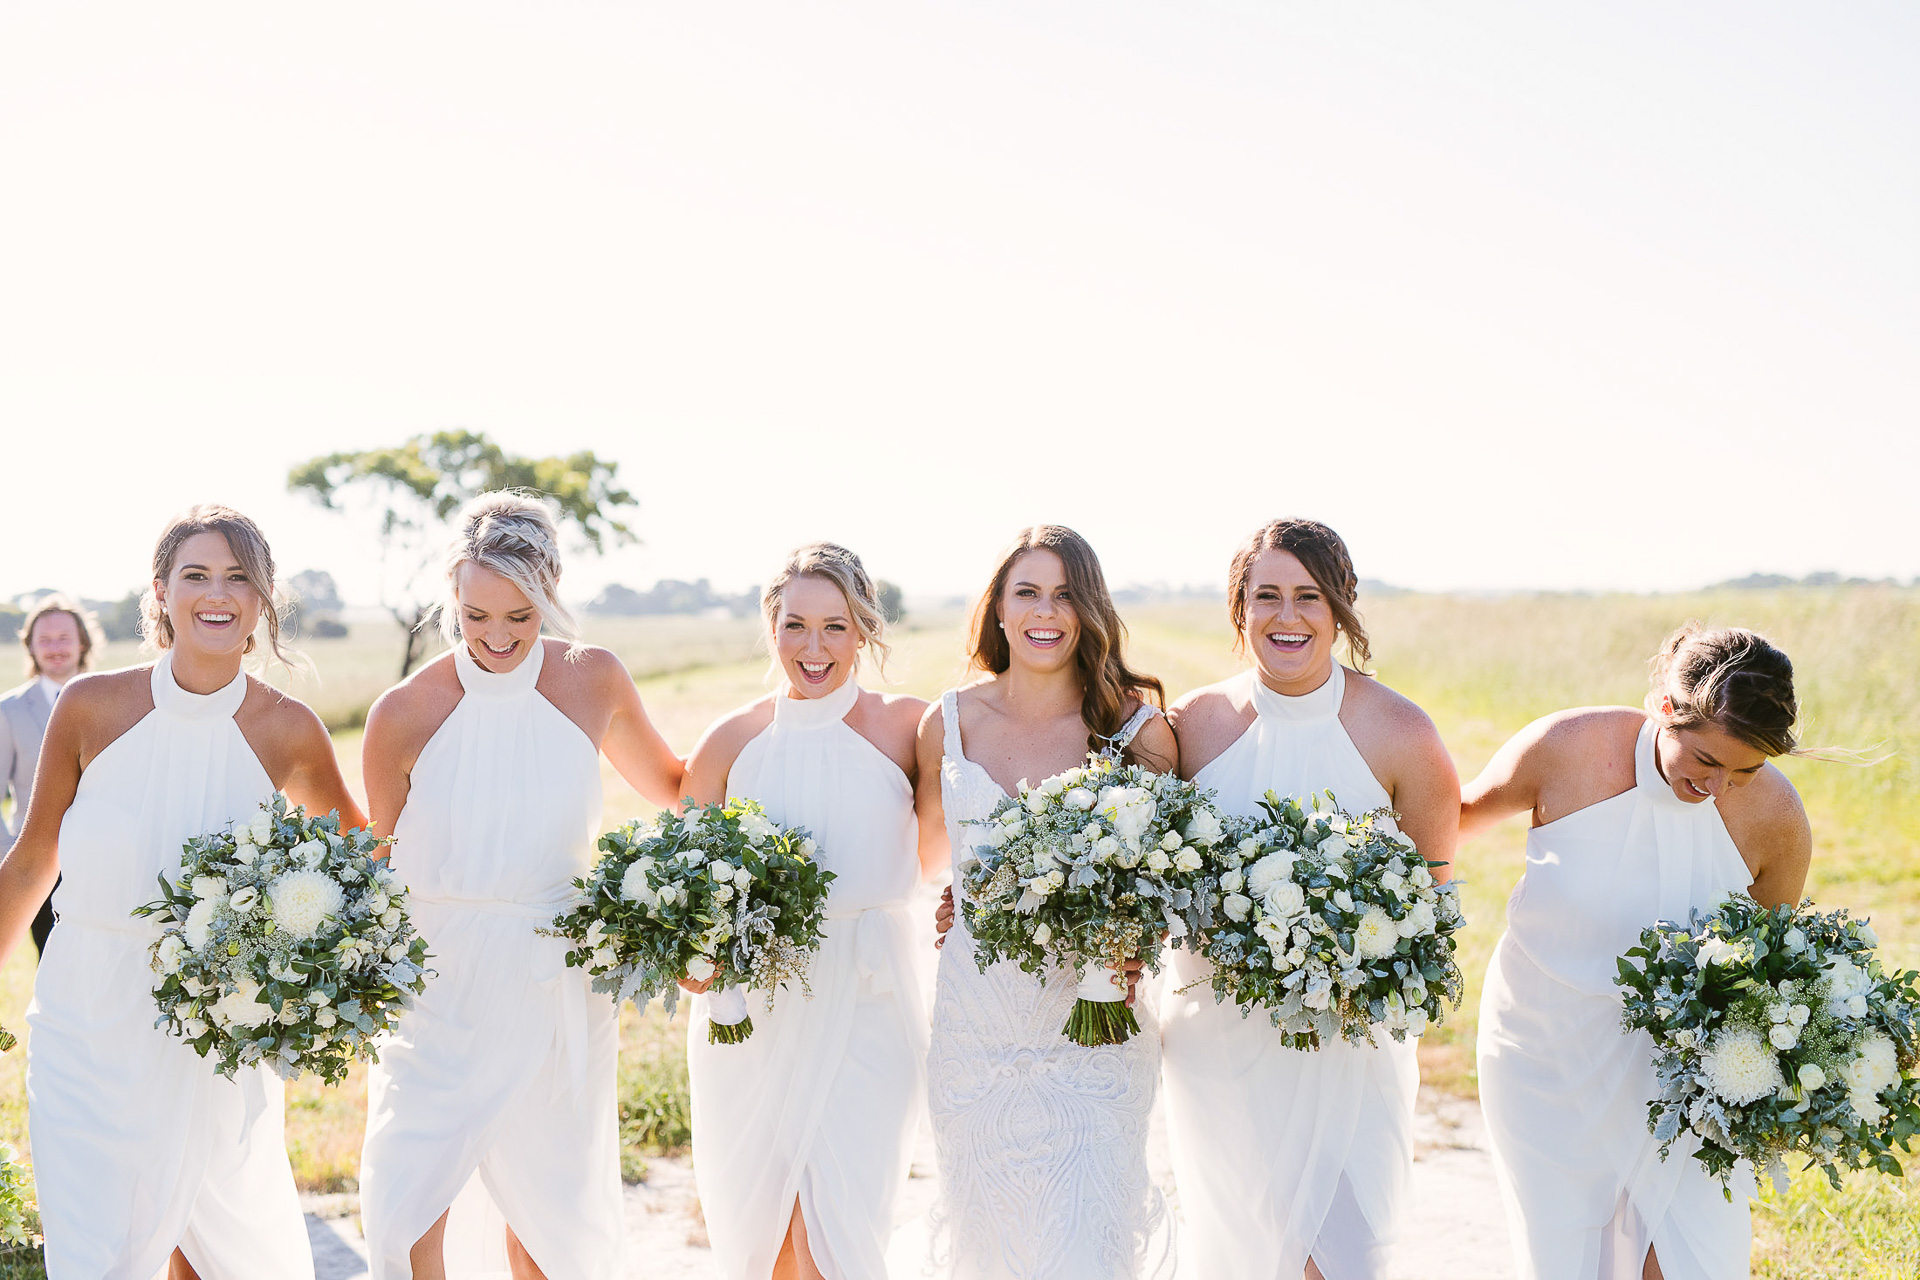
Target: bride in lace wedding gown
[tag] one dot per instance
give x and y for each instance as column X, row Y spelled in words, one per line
column 1041, row 1143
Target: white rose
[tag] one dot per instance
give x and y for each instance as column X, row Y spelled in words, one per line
column 1053, row 786
column 168, row 955
column 723, row 893
column 1798, row 1015
column 1857, row 1006
column 326, row 1018
column 1794, row 940
column 1236, row 905
column 604, row 958
column 1079, row 798
column 1056, row 878
column 1249, row 847
column 808, row 848
column 1392, row 883
column 1784, row 1036
column 245, row 854
column 1296, row 957
column 1342, row 899
column 310, row 852
column 398, row 951
column 1106, row 847
column 1171, row 841
column 1158, row 861
column 1867, row 935
column 1204, row 827
column 390, row 918
column 742, row 877
column 1036, row 802
column 1811, row 1076
column 1187, row 859
column 1417, row 1021
column 720, row 869
column 996, row 837
column 262, row 829
column 1041, row 933
column 1284, row 899
column 1231, row 881
column 1718, row 951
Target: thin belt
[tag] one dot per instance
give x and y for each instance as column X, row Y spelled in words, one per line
column 873, row 950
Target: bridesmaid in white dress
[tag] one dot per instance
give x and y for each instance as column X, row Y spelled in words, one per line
column 1041, row 1142
column 1292, row 1162
column 802, row 1133
column 147, row 1162
column 485, row 767
column 1637, row 816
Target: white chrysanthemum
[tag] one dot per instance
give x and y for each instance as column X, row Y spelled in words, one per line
column 1262, row 875
column 199, row 923
column 1741, row 1067
column 1376, row 935
column 302, row 901
column 1283, row 899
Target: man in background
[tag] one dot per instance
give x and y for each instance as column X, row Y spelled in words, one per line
column 59, row 640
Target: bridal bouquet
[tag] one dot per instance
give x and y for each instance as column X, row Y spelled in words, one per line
column 1088, row 870
column 1331, row 922
column 720, row 892
column 287, row 944
column 1777, row 1032
column 16, row 1209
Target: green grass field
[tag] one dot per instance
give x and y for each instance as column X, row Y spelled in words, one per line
column 1481, row 668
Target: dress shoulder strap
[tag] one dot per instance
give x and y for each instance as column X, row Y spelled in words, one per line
column 1134, row 724
column 950, row 724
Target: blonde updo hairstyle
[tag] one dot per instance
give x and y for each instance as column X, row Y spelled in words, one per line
column 250, row 551
column 830, row 562
column 513, row 534
column 1732, row 679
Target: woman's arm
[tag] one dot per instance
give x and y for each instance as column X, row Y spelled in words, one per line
column 713, row 756
column 1509, row 784
column 313, row 781
column 633, row 746
column 935, row 856
column 1426, row 791
column 28, row 872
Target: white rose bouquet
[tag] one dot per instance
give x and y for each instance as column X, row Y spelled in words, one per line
column 1776, row 1032
column 1088, row 870
column 287, row 944
column 16, row 1207
column 1332, row 923
column 720, row 892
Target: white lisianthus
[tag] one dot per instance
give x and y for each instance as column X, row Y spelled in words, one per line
column 262, row 829
column 245, row 854
column 1740, row 1067
column 1236, row 905
column 1718, row 951
column 1419, row 920
column 303, row 900
column 808, row 847
column 1794, row 940
column 193, row 1028
column 1272, row 934
column 1418, row 876
column 1053, row 786
column 1392, row 882
column 1376, row 936
column 242, row 899
column 208, row 886
column 604, row 958
column 758, row 827
column 1416, row 1022
column 241, row 1007
column 996, row 837
column 167, row 957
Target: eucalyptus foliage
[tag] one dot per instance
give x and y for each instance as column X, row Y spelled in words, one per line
column 1776, row 1033
column 1333, row 923
column 1090, row 868
column 16, row 1206
column 721, row 891
column 288, row 944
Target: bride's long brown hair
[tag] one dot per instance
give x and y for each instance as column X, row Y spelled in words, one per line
column 1106, row 681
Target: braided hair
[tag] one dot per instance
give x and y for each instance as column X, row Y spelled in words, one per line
column 1733, row 679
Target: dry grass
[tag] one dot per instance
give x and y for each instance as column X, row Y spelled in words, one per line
column 1481, row 668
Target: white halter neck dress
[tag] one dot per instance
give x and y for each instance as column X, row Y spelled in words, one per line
column 1041, row 1143
column 1564, row 1089
column 818, row 1104
column 138, row 1146
column 1283, row 1154
column 504, row 1070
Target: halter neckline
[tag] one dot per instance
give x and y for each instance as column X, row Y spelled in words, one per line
column 1646, row 771
column 813, row 713
column 1321, row 704
column 169, row 697
column 477, row 680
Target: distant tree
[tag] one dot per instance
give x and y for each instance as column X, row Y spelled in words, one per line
column 670, row 596
column 314, row 607
column 413, row 488
column 119, row 619
column 892, row 600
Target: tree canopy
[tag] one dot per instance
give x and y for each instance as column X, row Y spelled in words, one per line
column 414, row 488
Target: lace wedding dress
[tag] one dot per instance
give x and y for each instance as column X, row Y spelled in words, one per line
column 1041, row 1143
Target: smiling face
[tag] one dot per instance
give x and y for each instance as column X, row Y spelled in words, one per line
column 498, row 623
column 211, row 601
column 1290, row 627
column 816, row 639
column 55, row 646
column 1705, row 761
column 1037, row 613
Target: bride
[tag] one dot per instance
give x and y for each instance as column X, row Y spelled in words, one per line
column 1041, row 1143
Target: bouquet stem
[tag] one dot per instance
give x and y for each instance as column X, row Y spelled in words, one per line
column 1100, row 1015
column 727, row 1020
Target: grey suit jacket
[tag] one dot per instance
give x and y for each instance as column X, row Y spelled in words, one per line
column 23, row 722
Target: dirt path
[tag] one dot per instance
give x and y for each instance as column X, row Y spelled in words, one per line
column 1455, row 1228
